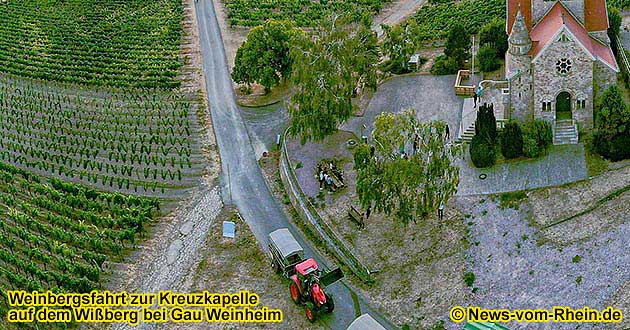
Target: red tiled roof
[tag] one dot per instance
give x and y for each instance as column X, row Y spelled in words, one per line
column 512, row 9
column 553, row 21
column 595, row 15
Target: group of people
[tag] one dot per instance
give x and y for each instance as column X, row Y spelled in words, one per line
column 324, row 172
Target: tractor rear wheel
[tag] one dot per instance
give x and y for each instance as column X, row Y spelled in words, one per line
column 295, row 294
column 330, row 304
column 310, row 313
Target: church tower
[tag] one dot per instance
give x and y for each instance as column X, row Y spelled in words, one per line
column 518, row 70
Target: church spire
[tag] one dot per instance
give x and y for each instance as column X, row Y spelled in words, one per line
column 519, row 40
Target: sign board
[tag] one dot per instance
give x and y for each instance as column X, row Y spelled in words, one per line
column 229, row 229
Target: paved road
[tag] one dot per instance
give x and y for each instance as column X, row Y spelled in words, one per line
column 245, row 185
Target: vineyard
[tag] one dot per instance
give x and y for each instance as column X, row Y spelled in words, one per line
column 121, row 43
column 59, row 236
column 304, row 13
column 435, row 19
column 137, row 141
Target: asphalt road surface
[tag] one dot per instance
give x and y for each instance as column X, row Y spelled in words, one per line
column 243, row 183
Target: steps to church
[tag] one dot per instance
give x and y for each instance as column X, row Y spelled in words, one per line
column 565, row 132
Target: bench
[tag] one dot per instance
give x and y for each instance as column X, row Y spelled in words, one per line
column 356, row 217
column 335, row 180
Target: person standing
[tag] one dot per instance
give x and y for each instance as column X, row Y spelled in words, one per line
column 475, row 96
column 441, row 211
column 447, row 131
column 321, row 179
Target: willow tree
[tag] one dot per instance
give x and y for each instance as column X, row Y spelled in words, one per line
column 410, row 168
column 330, row 66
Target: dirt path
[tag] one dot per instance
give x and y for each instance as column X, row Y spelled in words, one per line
column 395, row 13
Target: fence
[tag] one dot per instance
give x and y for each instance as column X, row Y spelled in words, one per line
column 308, row 212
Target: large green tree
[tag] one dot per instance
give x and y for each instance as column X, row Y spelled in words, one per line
column 493, row 34
column 398, row 46
column 458, row 43
column 409, row 187
column 264, row 57
column 331, row 65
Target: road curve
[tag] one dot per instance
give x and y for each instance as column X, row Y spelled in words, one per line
column 244, row 185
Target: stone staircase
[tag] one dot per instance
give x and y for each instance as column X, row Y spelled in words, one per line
column 565, row 132
column 466, row 135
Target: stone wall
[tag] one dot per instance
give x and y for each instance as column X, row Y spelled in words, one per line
column 548, row 82
column 521, row 87
column 604, row 77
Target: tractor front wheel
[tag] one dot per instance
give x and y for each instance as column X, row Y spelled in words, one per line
column 310, row 313
column 330, row 304
column 295, row 294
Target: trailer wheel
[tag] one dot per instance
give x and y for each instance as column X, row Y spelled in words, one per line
column 275, row 266
column 330, row 304
column 295, row 294
column 310, row 313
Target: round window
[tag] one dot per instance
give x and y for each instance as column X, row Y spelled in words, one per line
column 563, row 65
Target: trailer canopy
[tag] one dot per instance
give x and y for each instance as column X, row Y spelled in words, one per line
column 284, row 241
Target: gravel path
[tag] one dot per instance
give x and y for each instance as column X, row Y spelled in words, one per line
column 176, row 250
column 512, row 271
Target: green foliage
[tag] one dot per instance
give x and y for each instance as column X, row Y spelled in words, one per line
column 614, row 22
column 576, row 259
column 444, row 65
column 303, row 13
column 469, row 279
column 512, row 140
column 57, row 235
column 482, row 153
column 398, row 46
column 132, row 141
column 612, row 126
column 330, row 66
column 408, row 188
column 537, row 137
column 488, row 60
column 486, row 124
column 511, row 199
column 121, row 43
column 458, row 44
column 493, row 34
column 264, row 56
column 435, row 20
column 619, row 4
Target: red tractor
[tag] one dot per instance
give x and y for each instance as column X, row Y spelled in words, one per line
column 307, row 280
column 307, row 288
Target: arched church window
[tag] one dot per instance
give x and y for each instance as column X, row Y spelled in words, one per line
column 563, row 65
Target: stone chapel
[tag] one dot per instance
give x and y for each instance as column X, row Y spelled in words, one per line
column 558, row 63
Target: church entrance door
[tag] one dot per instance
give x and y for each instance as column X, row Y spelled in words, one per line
column 563, row 106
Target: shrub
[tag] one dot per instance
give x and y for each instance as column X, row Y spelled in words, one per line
column 482, row 153
column 486, row 123
column 488, row 59
column 612, row 123
column 512, row 141
column 469, row 278
column 537, row 137
column 444, row 65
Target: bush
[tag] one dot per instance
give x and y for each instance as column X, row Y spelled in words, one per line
column 612, row 123
column 512, row 141
column 482, row 153
column 537, row 137
column 488, row 59
column 469, row 278
column 444, row 65
column 486, row 124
